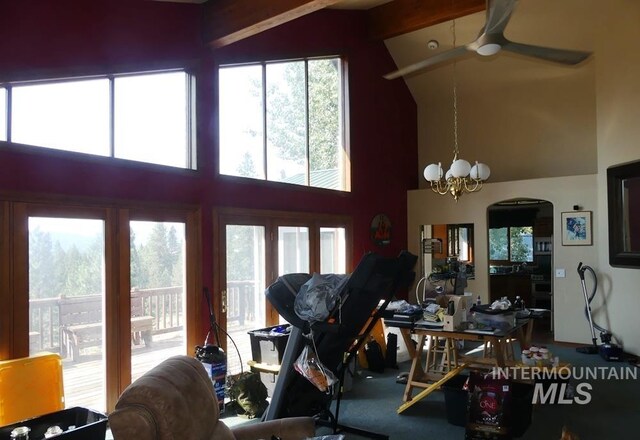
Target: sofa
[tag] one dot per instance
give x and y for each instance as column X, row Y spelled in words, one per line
column 176, row 400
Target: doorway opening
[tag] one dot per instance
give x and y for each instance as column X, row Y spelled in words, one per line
column 520, row 256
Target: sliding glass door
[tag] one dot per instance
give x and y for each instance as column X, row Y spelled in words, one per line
column 255, row 248
column 114, row 291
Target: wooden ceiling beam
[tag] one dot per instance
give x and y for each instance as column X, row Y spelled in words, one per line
column 401, row 16
column 229, row 21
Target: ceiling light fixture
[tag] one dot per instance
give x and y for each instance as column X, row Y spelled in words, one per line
column 461, row 176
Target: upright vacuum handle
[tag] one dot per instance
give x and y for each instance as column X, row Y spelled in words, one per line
column 581, row 270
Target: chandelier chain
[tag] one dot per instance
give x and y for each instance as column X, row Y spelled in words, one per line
column 461, row 177
column 455, row 99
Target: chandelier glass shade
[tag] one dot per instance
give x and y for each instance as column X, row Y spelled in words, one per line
column 461, row 177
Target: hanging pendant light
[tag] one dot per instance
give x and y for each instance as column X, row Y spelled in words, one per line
column 461, row 177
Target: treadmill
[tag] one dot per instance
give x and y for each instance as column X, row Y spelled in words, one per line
column 370, row 288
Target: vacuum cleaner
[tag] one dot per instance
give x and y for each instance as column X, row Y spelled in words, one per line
column 608, row 350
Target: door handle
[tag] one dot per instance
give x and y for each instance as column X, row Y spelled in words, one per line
column 224, row 301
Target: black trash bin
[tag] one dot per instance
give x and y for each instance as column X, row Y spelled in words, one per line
column 521, row 407
column 456, row 400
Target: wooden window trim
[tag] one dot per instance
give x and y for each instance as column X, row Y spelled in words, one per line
column 271, row 220
column 14, row 273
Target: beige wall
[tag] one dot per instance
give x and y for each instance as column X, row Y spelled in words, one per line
column 426, row 207
column 525, row 118
column 560, row 127
column 618, row 128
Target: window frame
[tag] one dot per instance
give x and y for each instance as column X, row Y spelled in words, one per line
column 344, row 164
column 5, row 123
column 271, row 220
column 190, row 113
column 509, row 261
column 14, row 278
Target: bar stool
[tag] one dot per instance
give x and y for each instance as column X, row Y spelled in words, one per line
column 442, row 355
column 508, row 348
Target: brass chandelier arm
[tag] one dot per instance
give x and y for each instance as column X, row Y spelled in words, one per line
column 456, row 186
column 477, row 184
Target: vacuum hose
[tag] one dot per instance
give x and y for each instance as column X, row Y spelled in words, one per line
column 588, row 298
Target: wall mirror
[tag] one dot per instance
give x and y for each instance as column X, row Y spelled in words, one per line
column 623, row 198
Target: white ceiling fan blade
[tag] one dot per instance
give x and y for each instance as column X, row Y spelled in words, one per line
column 431, row 61
column 498, row 15
column 563, row 56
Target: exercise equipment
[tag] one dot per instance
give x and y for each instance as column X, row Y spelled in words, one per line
column 337, row 340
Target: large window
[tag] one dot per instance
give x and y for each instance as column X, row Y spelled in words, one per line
column 512, row 244
column 142, row 117
column 284, row 122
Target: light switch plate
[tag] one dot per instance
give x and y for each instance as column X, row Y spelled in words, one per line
column 560, row 273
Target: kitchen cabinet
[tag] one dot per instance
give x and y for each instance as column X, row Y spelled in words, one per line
column 542, row 245
column 543, row 227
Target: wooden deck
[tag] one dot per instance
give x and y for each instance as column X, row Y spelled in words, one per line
column 84, row 380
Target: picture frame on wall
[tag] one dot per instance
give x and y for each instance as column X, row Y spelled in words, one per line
column 576, row 228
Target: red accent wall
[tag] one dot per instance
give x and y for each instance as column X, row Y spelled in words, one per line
column 52, row 38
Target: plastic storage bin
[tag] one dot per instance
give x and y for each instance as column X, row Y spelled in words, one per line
column 503, row 320
column 77, row 423
column 30, row 387
column 268, row 344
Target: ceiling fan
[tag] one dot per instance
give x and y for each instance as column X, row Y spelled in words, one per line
column 491, row 40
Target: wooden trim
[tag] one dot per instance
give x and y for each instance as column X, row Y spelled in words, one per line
column 6, row 297
column 118, row 336
column 193, row 279
column 55, row 201
column 271, row 266
column 235, row 214
column 228, row 21
column 401, row 16
column 219, row 282
column 20, row 293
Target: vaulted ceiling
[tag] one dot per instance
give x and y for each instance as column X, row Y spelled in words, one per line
column 232, row 20
column 407, row 25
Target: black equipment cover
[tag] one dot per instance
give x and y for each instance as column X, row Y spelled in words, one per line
column 375, row 278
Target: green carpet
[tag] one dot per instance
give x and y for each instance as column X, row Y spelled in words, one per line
column 613, row 412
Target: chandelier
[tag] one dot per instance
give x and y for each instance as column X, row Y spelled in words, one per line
column 461, row 176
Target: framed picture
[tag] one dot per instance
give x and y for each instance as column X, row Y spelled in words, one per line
column 576, row 228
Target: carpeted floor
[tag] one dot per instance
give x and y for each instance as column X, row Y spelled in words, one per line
column 612, row 413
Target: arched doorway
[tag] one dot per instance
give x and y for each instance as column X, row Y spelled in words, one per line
column 520, row 233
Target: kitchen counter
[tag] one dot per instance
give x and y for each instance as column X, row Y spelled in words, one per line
column 514, row 274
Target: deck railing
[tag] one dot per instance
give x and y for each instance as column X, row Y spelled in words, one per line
column 241, row 301
column 164, row 304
